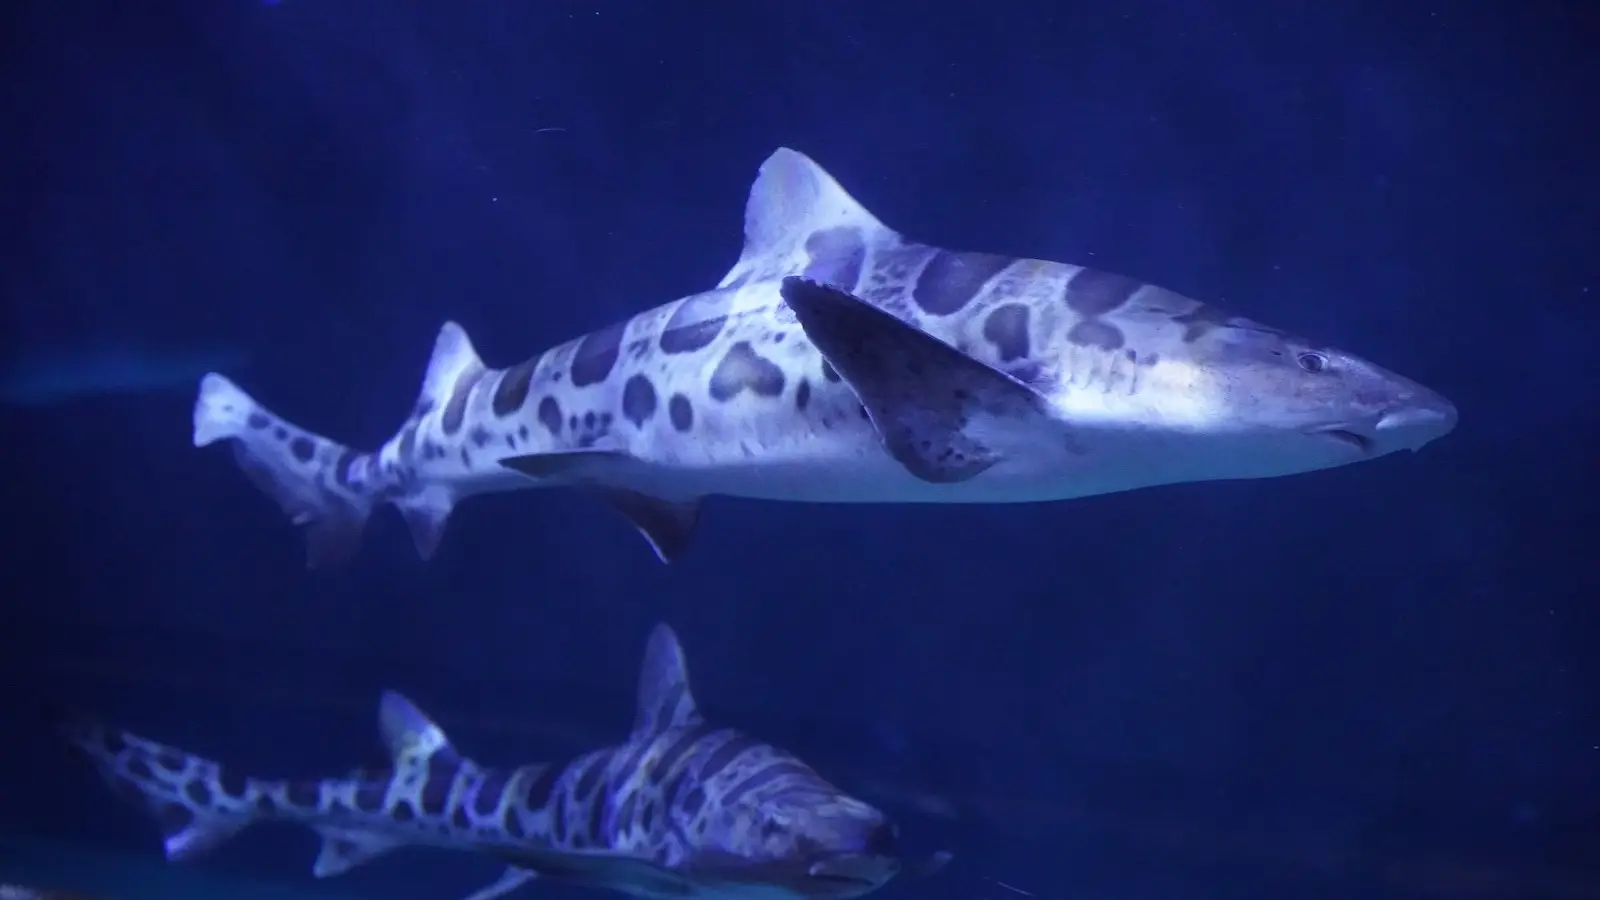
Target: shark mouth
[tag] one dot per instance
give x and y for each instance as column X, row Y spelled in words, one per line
column 1355, row 439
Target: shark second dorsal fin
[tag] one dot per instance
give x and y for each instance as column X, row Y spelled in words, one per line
column 665, row 700
column 793, row 199
column 412, row 737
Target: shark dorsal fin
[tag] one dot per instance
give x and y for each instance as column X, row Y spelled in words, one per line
column 665, row 701
column 453, row 357
column 792, row 199
column 412, row 738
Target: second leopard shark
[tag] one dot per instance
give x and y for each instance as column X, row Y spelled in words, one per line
column 840, row 362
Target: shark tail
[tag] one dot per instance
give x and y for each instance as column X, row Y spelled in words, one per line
column 194, row 801
column 321, row 485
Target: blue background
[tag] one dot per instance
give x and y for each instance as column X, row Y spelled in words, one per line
column 1352, row 682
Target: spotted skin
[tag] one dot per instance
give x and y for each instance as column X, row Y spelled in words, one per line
column 683, row 808
column 727, row 392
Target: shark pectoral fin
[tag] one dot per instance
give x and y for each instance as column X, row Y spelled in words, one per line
column 511, row 879
column 923, row 396
column 426, row 513
column 565, row 466
column 344, row 850
column 666, row 524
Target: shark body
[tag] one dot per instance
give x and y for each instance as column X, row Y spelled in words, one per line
column 683, row 810
column 841, row 362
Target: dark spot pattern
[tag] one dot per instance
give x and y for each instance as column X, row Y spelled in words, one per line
column 638, row 400
column 543, row 786
column 303, row 794
column 512, row 391
column 647, row 817
column 742, row 369
column 597, row 822
column 558, row 819
column 693, row 801
column 370, row 796
column 480, row 436
column 1093, row 293
column 1006, row 327
column 455, row 412
column 172, row 760
column 408, row 442
column 681, row 412
column 490, row 791
column 258, row 421
column 549, row 415
column 596, row 355
column 1202, row 320
column 435, row 795
column 344, row 468
column 197, row 793
column 511, row 821
column 725, row 755
column 696, row 322
column 173, row 817
column 952, row 279
column 1096, row 333
column 280, row 432
column 767, row 774
column 139, row 769
column 302, row 448
column 232, row 784
column 403, row 811
column 461, row 819
column 625, row 813
column 590, row 779
column 802, row 395
column 837, row 256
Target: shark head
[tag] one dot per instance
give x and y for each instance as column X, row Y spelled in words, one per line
column 804, row 836
column 1299, row 405
column 1242, row 399
column 744, row 817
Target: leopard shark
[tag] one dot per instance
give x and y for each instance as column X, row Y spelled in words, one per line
column 841, row 362
column 682, row 810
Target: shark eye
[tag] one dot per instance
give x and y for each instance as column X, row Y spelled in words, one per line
column 1315, row 363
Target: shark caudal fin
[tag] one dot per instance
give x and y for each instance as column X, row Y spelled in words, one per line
column 323, row 486
column 195, row 803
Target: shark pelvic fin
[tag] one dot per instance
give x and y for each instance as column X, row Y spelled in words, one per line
column 509, row 880
column 666, row 524
column 933, row 406
column 342, row 850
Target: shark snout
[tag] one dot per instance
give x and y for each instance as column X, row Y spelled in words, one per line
column 1422, row 419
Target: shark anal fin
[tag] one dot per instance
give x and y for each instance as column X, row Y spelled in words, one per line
column 509, row 880
column 332, row 529
column 667, row 525
column 426, row 513
column 344, row 850
column 922, row 394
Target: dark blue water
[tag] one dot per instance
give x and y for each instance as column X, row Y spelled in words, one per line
column 1375, row 681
